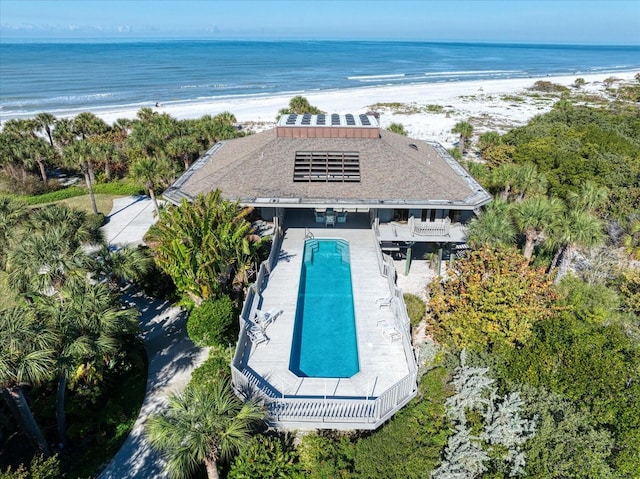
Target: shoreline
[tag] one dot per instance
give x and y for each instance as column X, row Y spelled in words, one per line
column 430, row 109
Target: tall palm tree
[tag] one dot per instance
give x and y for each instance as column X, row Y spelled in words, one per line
column 37, row 150
column 27, row 358
column 64, row 133
column 79, row 155
column 87, row 124
column 89, row 324
column 184, row 148
column 579, row 229
column 533, row 217
column 503, row 178
column 528, row 181
column 201, row 427
column 152, row 173
column 44, row 121
column 465, row 130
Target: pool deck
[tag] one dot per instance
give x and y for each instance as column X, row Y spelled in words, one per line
column 382, row 363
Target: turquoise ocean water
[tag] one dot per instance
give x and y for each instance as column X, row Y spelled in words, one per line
column 59, row 77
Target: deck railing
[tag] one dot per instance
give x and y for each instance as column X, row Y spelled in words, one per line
column 429, row 228
column 326, row 412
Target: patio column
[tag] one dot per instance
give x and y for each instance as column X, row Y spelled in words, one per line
column 407, row 265
column 439, row 258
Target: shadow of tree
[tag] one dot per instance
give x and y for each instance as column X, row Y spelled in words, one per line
column 172, row 356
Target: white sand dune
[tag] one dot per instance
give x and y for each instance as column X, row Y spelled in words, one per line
column 489, row 104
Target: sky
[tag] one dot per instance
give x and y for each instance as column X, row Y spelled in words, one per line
column 505, row 21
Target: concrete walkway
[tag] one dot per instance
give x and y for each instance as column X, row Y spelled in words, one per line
column 129, row 220
column 170, row 353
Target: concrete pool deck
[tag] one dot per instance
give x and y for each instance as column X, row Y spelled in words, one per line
column 382, row 363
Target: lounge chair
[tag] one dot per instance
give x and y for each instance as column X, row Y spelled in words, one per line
column 391, row 334
column 384, row 302
column 257, row 335
column 265, row 318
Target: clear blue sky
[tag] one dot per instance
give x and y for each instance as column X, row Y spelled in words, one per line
column 539, row 21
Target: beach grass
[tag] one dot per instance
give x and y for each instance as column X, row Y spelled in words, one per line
column 7, row 296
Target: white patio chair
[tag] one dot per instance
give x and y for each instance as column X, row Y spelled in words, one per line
column 257, row 336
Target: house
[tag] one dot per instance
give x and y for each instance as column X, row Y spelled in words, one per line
column 332, row 167
column 364, row 190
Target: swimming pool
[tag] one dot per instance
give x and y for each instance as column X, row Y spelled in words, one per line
column 324, row 334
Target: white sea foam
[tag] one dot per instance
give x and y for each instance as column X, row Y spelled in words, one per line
column 376, row 77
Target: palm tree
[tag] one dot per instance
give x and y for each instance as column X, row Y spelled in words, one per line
column 124, row 264
column 146, row 114
column 89, row 324
column 489, row 139
column 528, row 181
column 44, row 121
column 201, row 427
column 589, row 196
column 465, row 130
column 503, row 178
column 579, row 229
column 51, row 252
column 39, row 151
column 79, row 155
column 12, row 213
column 493, row 227
column 299, row 105
column 27, row 358
column 183, row 148
column 152, row 172
column 64, row 134
column 533, row 217
column 87, row 124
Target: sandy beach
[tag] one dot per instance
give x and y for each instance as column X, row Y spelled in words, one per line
column 489, row 105
column 428, row 111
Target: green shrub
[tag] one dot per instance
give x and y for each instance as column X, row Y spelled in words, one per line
column 327, row 454
column 267, row 457
column 410, row 444
column 548, row 87
column 416, row 308
column 39, row 468
column 95, row 221
column 212, row 323
column 215, row 368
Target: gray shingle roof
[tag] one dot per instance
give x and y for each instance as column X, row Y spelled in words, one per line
column 258, row 169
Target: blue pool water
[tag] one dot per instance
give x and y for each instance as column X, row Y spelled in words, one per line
column 324, row 335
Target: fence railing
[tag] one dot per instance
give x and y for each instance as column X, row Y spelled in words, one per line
column 351, row 413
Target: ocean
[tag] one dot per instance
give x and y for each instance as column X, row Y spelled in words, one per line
column 63, row 78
